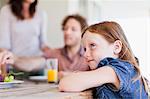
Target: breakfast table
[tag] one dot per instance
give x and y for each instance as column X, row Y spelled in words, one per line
column 40, row 90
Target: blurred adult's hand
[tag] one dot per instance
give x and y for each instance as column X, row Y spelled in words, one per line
column 6, row 57
column 47, row 51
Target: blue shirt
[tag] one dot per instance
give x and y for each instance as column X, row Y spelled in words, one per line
column 125, row 73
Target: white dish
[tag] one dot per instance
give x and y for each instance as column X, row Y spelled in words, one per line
column 38, row 78
column 4, row 85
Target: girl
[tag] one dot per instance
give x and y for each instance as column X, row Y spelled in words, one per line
column 114, row 70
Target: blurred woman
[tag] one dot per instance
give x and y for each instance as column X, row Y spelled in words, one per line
column 22, row 31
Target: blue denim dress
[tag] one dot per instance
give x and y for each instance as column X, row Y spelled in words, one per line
column 128, row 89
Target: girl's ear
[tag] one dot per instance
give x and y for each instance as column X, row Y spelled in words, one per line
column 117, row 47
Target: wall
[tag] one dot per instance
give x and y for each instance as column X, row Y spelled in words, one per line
column 56, row 10
column 134, row 17
column 2, row 2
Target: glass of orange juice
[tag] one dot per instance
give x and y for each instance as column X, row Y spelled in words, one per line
column 52, row 70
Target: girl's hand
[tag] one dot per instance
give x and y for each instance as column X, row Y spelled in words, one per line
column 61, row 74
column 46, row 51
column 6, row 57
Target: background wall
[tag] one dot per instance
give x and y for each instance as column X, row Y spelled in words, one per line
column 2, row 2
column 134, row 17
column 56, row 10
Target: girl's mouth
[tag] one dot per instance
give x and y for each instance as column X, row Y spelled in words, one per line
column 90, row 60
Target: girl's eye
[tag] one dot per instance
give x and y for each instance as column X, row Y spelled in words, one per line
column 92, row 46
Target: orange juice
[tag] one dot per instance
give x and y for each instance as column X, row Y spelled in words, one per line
column 52, row 76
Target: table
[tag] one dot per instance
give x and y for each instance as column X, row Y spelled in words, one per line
column 34, row 90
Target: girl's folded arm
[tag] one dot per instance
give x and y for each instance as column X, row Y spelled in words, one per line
column 84, row 80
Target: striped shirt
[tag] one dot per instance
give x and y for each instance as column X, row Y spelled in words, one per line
column 76, row 63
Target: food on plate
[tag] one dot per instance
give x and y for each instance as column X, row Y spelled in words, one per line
column 5, row 76
column 9, row 78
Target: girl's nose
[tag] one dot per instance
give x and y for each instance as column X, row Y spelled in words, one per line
column 86, row 54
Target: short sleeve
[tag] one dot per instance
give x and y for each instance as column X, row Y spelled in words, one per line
column 5, row 28
column 123, row 75
column 122, row 70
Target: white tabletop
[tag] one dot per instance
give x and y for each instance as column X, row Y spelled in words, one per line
column 44, row 90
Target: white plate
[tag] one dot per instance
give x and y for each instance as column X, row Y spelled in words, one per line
column 38, row 78
column 10, row 84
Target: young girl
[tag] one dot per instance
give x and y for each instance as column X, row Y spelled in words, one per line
column 114, row 71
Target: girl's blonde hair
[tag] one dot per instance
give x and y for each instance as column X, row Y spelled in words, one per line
column 112, row 31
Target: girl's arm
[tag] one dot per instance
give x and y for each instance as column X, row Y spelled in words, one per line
column 84, row 80
column 62, row 74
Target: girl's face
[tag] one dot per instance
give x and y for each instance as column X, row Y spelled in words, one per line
column 72, row 32
column 96, row 48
